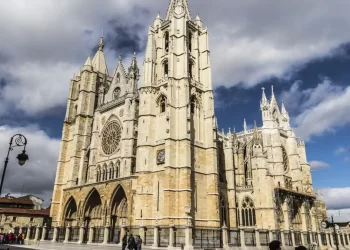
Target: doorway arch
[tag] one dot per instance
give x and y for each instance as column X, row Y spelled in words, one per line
column 93, row 209
column 70, row 212
column 118, row 212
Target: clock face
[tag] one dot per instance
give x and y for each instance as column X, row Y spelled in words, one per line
column 324, row 224
column 336, row 227
column 161, row 156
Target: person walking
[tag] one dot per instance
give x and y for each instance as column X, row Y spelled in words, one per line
column 131, row 242
column 124, row 242
column 139, row 243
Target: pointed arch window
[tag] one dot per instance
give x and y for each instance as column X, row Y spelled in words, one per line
column 75, row 110
column 190, row 69
column 116, row 93
column 194, row 105
column 248, row 213
column 98, row 174
column 166, row 41
column 223, row 212
column 162, row 104
column 285, row 159
column 118, row 78
column 117, row 169
column 166, row 68
column 190, row 41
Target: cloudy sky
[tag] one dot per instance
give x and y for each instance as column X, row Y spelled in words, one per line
column 301, row 47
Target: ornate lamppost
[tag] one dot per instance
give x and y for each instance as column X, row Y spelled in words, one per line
column 17, row 140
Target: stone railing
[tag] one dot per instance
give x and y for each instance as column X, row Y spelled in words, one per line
column 186, row 236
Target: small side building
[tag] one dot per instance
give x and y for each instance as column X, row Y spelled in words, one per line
column 18, row 214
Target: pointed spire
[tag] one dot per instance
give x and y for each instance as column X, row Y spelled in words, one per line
column 234, row 136
column 255, row 132
column 99, row 61
column 283, row 110
column 158, row 16
column 229, row 130
column 223, row 132
column 88, row 62
column 198, row 21
column 120, row 58
column 178, row 5
column 245, row 126
column 273, row 98
column 101, row 45
column 263, row 98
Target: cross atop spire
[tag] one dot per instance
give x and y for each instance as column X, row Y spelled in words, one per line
column 178, row 6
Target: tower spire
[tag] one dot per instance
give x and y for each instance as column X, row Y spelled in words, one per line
column 255, row 133
column 99, row 61
column 245, row 126
column 178, row 7
column 273, row 98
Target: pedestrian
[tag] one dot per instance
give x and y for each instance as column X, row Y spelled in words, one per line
column 124, row 242
column 139, row 243
column 300, row 248
column 275, row 245
column 131, row 242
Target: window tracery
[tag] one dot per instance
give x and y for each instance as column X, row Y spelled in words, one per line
column 111, row 135
column 166, row 68
column 118, row 78
column 162, row 103
column 248, row 213
column 194, row 105
column 285, row 159
column 98, row 174
column 166, row 41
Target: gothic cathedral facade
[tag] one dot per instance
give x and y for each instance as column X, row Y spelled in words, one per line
column 153, row 156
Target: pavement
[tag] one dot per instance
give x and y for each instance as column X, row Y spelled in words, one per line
column 7, row 247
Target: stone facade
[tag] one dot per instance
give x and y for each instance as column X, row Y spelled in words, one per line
column 152, row 157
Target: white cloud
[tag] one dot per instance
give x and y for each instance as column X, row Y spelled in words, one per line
column 341, row 150
column 38, row 174
column 318, row 164
column 336, row 198
column 324, row 108
column 249, row 40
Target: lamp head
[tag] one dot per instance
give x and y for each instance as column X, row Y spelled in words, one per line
column 22, row 158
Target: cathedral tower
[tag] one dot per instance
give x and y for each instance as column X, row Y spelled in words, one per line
column 176, row 153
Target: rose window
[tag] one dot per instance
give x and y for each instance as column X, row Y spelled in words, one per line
column 111, row 138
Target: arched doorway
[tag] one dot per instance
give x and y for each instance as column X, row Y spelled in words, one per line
column 119, row 214
column 93, row 209
column 70, row 214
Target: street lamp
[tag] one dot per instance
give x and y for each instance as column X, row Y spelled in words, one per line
column 19, row 141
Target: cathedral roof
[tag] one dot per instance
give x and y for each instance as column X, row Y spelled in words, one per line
column 172, row 6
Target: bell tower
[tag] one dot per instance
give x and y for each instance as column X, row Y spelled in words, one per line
column 176, row 154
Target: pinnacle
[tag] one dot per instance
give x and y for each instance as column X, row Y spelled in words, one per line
column 88, row 62
column 101, row 45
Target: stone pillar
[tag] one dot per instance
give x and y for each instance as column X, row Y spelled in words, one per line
column 28, row 233
column 224, row 236
column 257, row 237
column 142, row 233
column 270, row 235
column 347, row 237
column 188, row 238
column 319, row 238
column 327, row 239
column 283, row 243
column 122, row 233
column 91, row 235
column 156, row 236
column 293, row 237
column 241, row 234
column 66, row 237
column 339, row 241
column 81, row 234
column 43, row 233
column 55, row 230
column 332, row 238
column 20, row 229
column 171, row 236
column 37, row 231
column 106, row 234
column 302, row 238
column 310, row 236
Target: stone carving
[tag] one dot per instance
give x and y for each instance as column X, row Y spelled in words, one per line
column 111, row 137
column 121, row 112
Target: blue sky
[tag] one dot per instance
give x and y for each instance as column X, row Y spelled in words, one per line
column 253, row 45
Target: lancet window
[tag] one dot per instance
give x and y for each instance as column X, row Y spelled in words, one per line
column 166, row 68
column 285, row 159
column 116, row 93
column 190, row 69
column 248, row 218
column 98, row 174
column 118, row 78
column 162, row 104
column 190, row 41
column 166, row 41
column 194, row 105
column 117, row 169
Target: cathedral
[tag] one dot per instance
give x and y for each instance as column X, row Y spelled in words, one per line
column 149, row 159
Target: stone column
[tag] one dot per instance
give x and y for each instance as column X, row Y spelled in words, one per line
column 241, row 234
column 91, row 234
column 257, row 237
column 171, row 236
column 327, row 239
column 283, row 242
column 28, row 233
column 302, row 238
column 339, row 241
column 347, row 236
column 66, row 237
column 156, row 236
column 293, row 237
column 224, row 236
column 37, row 231
column 270, row 235
column 55, row 231
column 20, row 229
column 81, row 234
column 106, row 234
column 310, row 236
column 332, row 238
column 43, row 233
column 142, row 233
column 188, row 238
column 319, row 238
column 122, row 233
